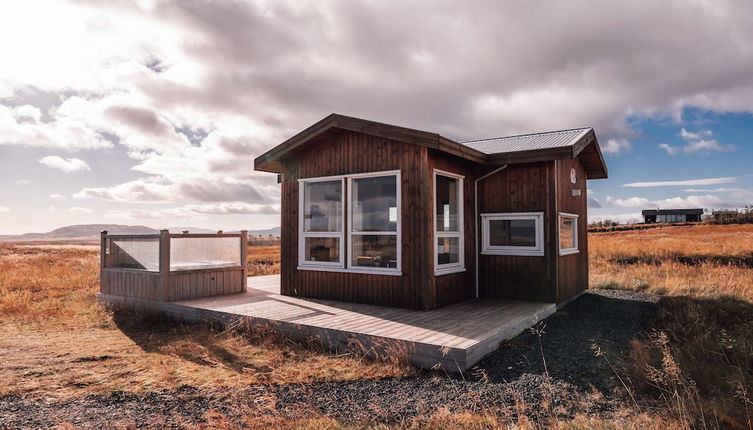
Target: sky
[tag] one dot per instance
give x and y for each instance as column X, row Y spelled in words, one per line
column 151, row 112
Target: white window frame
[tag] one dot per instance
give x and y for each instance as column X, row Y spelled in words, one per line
column 568, row 251
column 443, row 269
column 302, row 235
column 345, row 263
column 375, row 270
column 488, row 249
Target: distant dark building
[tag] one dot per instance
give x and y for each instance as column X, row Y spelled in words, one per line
column 671, row 215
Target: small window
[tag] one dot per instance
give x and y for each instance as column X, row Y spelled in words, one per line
column 448, row 223
column 513, row 233
column 568, row 233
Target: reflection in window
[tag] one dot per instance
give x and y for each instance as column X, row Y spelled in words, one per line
column 448, row 250
column 322, row 206
column 448, row 216
column 374, row 203
column 568, row 233
column 374, row 251
column 322, row 249
column 512, row 232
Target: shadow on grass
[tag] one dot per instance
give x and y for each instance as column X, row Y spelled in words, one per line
column 204, row 344
column 711, row 340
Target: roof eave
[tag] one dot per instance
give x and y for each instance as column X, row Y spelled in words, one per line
column 272, row 160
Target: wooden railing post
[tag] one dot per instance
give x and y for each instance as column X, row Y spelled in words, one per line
column 244, row 258
column 164, row 263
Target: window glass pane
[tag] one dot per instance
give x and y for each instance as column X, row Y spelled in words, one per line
column 512, row 232
column 448, row 250
column 141, row 254
column 191, row 253
column 374, row 251
column 375, row 204
column 325, row 249
column 322, row 206
column 567, row 233
column 447, row 204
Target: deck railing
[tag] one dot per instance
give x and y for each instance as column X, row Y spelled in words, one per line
column 169, row 266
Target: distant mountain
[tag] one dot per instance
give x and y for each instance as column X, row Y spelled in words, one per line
column 275, row 231
column 90, row 232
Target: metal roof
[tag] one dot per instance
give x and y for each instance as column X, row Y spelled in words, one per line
column 527, row 142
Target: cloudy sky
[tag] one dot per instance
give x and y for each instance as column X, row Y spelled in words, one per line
column 151, row 112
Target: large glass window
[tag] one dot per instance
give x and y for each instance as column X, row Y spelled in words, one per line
column 513, row 233
column 373, row 223
column 374, row 215
column 568, row 233
column 322, row 222
column 448, row 220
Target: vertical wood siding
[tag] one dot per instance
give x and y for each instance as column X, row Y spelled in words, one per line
column 341, row 153
column 572, row 270
column 454, row 287
column 520, row 188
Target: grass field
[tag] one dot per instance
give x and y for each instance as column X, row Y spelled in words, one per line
column 695, row 369
column 56, row 340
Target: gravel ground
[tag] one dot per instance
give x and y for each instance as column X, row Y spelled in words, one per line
column 514, row 374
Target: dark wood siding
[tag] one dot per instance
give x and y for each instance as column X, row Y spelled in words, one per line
column 572, row 270
column 454, row 287
column 520, row 188
column 344, row 152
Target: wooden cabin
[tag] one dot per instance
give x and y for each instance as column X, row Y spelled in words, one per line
column 651, row 216
column 386, row 215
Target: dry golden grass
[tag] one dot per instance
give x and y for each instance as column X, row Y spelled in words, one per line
column 56, row 340
column 263, row 260
column 699, row 361
column 705, row 261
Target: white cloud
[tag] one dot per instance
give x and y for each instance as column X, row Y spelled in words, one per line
column 197, row 211
column 57, row 197
column 593, row 203
column 706, row 145
column 68, row 165
column 4, row 209
column 686, row 135
column 683, row 183
column 631, row 202
column 697, row 142
column 80, row 210
column 23, row 182
column 622, row 218
column 693, row 201
column 616, row 146
column 671, row 150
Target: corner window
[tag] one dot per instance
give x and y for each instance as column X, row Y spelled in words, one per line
column 448, row 220
column 321, row 204
column 516, row 233
column 372, row 224
column 568, row 233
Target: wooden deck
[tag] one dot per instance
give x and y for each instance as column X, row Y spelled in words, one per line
column 455, row 337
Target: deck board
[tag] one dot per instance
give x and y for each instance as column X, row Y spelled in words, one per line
column 455, row 336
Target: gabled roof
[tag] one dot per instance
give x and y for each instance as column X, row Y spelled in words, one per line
column 528, row 148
